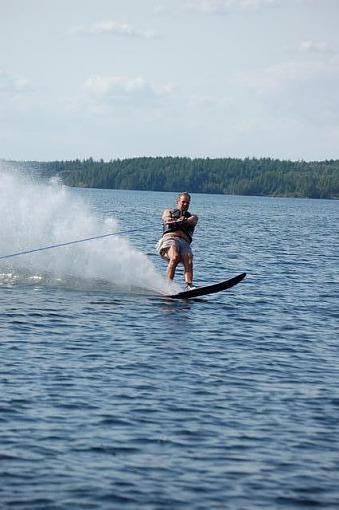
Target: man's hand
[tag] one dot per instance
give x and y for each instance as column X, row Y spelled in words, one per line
column 181, row 220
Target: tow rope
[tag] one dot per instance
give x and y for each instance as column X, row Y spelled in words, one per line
column 42, row 248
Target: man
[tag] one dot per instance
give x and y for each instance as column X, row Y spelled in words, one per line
column 174, row 246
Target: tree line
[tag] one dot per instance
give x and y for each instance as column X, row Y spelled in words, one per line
column 249, row 176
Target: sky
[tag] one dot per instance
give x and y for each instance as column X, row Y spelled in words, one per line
column 114, row 79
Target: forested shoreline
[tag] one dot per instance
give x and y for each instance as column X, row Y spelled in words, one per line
column 249, row 176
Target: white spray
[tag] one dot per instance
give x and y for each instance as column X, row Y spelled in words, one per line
column 34, row 215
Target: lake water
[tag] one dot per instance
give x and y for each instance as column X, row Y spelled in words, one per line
column 113, row 396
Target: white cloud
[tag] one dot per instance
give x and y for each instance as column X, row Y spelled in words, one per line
column 223, row 6
column 279, row 76
column 304, row 93
column 113, row 28
column 12, row 83
column 214, row 6
column 316, row 47
column 107, row 94
column 117, row 86
column 123, row 91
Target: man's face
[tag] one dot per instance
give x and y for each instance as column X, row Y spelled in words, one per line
column 183, row 203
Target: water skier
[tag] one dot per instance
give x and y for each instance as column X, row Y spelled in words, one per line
column 174, row 246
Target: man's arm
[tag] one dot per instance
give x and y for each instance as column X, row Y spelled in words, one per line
column 168, row 220
column 191, row 220
column 167, row 216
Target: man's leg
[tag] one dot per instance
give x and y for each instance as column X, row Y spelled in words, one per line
column 187, row 260
column 174, row 258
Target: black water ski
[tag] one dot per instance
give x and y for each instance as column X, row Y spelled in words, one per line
column 208, row 289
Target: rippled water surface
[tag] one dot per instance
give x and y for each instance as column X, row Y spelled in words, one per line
column 115, row 397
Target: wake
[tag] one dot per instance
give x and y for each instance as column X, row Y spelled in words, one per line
column 35, row 214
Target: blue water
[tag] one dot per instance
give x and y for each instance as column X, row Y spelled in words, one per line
column 115, row 397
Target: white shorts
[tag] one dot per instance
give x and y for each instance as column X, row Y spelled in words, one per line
column 165, row 243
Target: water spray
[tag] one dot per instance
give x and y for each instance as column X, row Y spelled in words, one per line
column 40, row 217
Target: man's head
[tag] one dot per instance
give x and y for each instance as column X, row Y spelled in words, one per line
column 183, row 201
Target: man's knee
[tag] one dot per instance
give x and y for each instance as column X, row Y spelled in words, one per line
column 174, row 258
column 174, row 255
column 188, row 259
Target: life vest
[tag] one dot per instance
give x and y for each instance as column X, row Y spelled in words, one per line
column 187, row 229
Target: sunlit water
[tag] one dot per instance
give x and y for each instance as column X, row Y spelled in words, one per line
column 113, row 396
